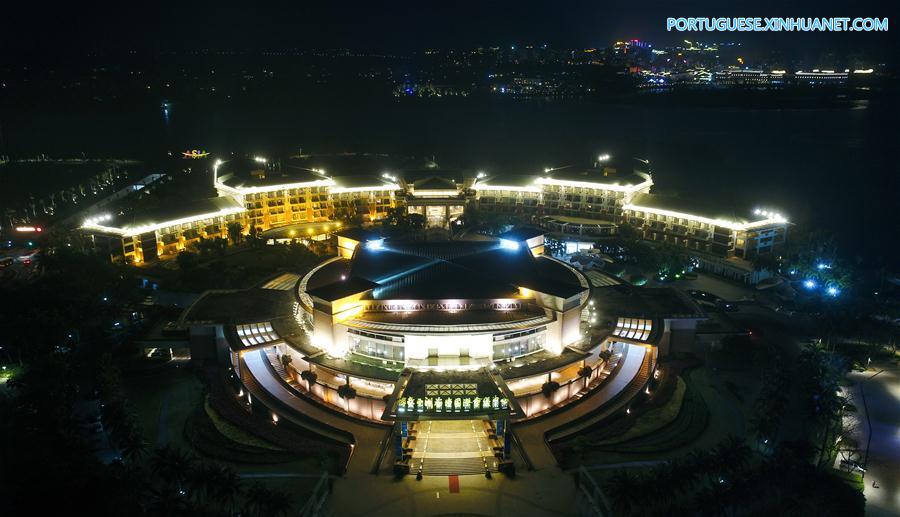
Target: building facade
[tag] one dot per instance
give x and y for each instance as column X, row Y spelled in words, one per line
column 592, row 201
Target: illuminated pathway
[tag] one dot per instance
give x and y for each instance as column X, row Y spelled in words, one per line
column 880, row 415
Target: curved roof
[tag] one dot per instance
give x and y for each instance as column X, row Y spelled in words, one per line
column 449, row 270
column 458, row 269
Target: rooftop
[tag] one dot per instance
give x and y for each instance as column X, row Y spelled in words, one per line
column 300, row 230
column 478, row 381
column 434, row 183
column 522, row 233
column 359, row 234
column 145, row 219
column 454, row 319
column 539, row 362
column 341, row 289
column 250, row 305
column 604, row 175
column 509, row 180
column 459, row 269
column 340, row 170
column 644, row 302
column 694, row 205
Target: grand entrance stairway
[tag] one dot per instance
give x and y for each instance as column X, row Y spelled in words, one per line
column 452, row 447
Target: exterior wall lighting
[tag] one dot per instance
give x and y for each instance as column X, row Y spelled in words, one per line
column 508, row 244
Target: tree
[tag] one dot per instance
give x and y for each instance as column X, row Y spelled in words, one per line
column 172, row 466
column 262, row 501
column 624, row 492
column 819, row 374
column 585, row 373
column 549, row 388
column 346, row 391
column 133, row 445
column 187, row 261
column 201, row 482
column 228, row 487
column 309, row 376
column 627, row 232
column 415, row 223
column 235, row 232
column 253, row 236
column 765, row 262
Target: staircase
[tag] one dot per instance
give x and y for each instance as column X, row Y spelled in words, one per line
column 455, row 466
column 447, row 448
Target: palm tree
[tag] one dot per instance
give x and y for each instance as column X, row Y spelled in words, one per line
column 278, row 503
column 133, row 445
column 172, row 466
column 260, row 500
column 235, row 232
column 734, row 454
column 623, row 491
column 663, row 484
column 228, row 487
column 202, row 482
column 255, row 499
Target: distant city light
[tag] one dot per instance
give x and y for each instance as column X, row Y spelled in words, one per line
column 259, row 159
column 603, row 157
column 508, row 244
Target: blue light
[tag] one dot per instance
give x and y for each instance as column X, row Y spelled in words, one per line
column 375, row 245
column 793, row 272
column 508, row 244
column 809, row 283
column 820, row 266
column 833, row 291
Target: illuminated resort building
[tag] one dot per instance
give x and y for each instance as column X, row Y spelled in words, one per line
column 426, row 339
column 306, row 200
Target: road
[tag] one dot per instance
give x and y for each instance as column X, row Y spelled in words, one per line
column 880, row 415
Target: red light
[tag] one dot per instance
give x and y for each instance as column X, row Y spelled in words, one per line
column 39, row 229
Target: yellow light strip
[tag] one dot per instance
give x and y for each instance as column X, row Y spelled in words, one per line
column 374, row 188
column 286, row 186
column 731, row 225
column 601, row 186
column 128, row 231
column 506, row 187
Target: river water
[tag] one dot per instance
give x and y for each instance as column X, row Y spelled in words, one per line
column 830, row 167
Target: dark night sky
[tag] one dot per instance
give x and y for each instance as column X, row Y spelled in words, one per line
column 39, row 27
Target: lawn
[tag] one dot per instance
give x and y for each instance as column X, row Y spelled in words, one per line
column 853, row 479
column 653, row 420
column 234, row 433
column 163, row 398
column 689, row 423
column 238, row 268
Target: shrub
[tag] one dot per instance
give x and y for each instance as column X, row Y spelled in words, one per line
column 549, row 388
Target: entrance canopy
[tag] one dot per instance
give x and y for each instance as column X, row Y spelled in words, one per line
column 454, row 395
